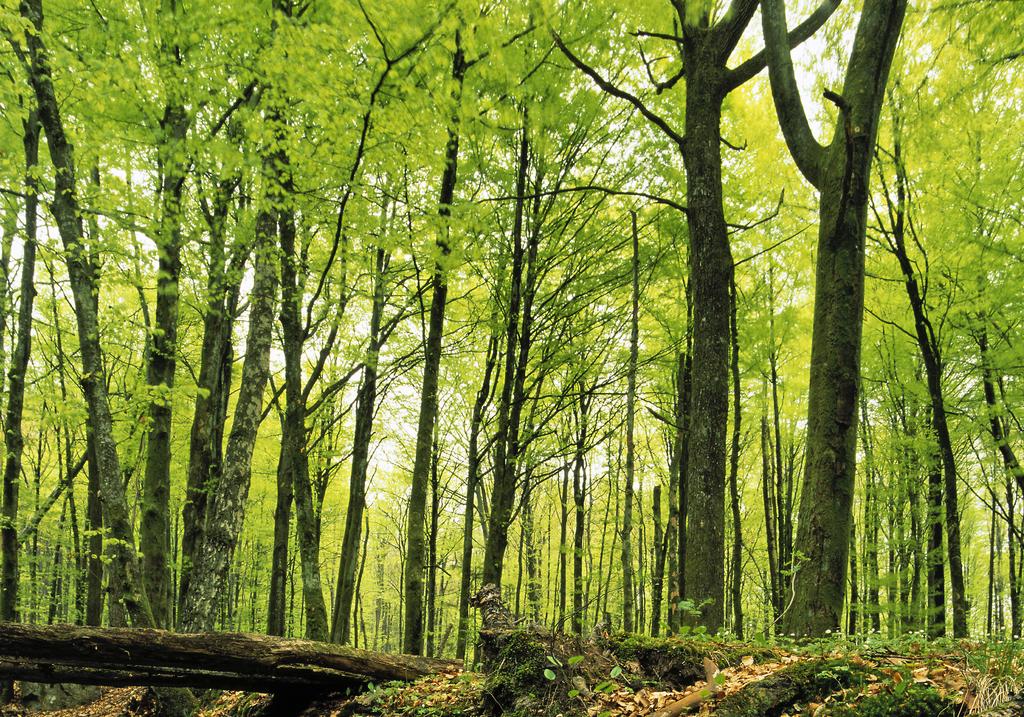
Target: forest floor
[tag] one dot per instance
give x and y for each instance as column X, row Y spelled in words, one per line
column 634, row 677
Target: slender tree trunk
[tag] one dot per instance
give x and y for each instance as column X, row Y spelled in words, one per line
column 928, row 344
column 658, row 569
column 435, row 510
column 770, row 524
column 365, row 407
column 734, row 467
column 579, row 492
column 14, row 438
column 509, row 404
column 413, row 575
column 627, row 510
column 154, row 526
column 472, row 478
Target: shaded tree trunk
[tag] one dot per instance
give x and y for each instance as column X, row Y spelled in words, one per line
column 365, row 407
column 14, row 442
column 154, row 526
column 472, row 478
column 227, row 506
column 124, row 565
column 841, row 172
column 627, row 510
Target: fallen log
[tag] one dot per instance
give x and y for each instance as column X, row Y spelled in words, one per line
column 238, row 661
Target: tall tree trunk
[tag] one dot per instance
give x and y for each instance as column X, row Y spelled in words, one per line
column 928, row 345
column 213, row 384
column 414, row 563
column 124, row 564
column 658, row 569
column 154, row 526
column 579, row 493
column 365, row 407
column 734, row 466
column 435, row 510
column 627, row 510
column 14, row 438
column 769, row 519
column 226, row 510
column 506, row 438
column 472, row 478
column 841, row 172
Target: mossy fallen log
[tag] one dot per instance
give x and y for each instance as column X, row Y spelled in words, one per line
column 257, row 663
column 802, row 682
column 678, row 662
column 911, row 701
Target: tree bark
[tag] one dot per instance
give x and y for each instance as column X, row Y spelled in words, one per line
column 226, row 511
column 841, row 172
column 627, row 511
column 14, row 438
column 365, row 407
column 414, row 562
column 64, row 653
column 154, row 526
column 124, row 564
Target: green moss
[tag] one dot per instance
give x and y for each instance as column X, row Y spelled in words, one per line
column 678, row 661
column 915, row 701
column 516, row 676
column 802, row 682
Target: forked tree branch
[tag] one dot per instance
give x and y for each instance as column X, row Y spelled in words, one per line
column 622, row 94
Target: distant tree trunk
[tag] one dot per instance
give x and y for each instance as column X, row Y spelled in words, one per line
column 14, row 438
column 734, row 466
column 627, row 510
column 365, row 407
column 936, row 612
column 928, row 344
column 510, row 400
column 124, row 564
column 658, row 569
column 999, row 429
column 435, row 514
column 871, row 517
column 855, row 602
column 769, row 519
column 472, row 478
column 414, row 563
column 841, row 172
column 532, row 561
column 579, row 493
column 563, row 548
column 226, row 510
column 676, row 546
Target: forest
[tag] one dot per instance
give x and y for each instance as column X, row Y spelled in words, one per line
column 650, row 330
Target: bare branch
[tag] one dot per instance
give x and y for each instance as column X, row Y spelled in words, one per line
column 614, row 91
